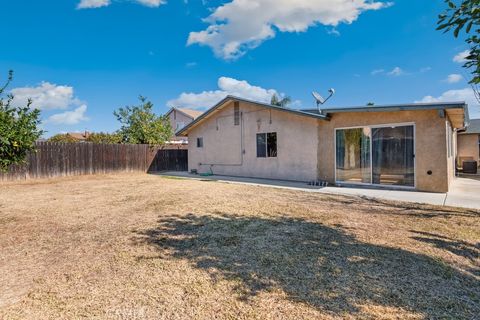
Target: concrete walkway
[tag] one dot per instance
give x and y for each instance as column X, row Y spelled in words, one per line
column 465, row 191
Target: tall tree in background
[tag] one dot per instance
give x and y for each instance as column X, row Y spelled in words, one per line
column 18, row 129
column 141, row 126
column 62, row 138
column 276, row 101
column 104, row 137
column 465, row 16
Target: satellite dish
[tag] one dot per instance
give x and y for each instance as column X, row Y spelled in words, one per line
column 319, row 99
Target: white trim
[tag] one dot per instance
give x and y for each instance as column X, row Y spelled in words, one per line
column 386, row 125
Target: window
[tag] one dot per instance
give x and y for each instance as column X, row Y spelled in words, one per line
column 236, row 113
column 199, row 142
column 272, row 144
column 267, row 145
column 261, row 145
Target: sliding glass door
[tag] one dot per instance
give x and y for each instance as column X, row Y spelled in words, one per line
column 376, row 155
column 353, row 155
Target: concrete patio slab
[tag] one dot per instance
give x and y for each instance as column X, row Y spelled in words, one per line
column 465, row 191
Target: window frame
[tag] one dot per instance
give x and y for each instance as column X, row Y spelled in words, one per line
column 199, row 142
column 266, row 152
column 383, row 125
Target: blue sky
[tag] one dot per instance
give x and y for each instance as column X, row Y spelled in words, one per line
column 81, row 60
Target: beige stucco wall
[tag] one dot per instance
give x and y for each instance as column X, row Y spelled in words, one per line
column 468, row 147
column 297, row 143
column 430, row 144
column 178, row 117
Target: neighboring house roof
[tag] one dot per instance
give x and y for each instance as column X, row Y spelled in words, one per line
column 229, row 98
column 457, row 111
column 79, row 135
column 193, row 114
column 473, row 127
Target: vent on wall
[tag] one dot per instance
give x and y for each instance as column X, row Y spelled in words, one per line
column 236, row 113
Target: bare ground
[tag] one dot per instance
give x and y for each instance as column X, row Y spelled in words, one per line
column 148, row 247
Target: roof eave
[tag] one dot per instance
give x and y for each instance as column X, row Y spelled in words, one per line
column 184, row 131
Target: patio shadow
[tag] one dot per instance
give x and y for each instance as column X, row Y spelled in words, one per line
column 323, row 267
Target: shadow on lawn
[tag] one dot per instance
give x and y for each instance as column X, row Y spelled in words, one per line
column 457, row 247
column 419, row 210
column 321, row 266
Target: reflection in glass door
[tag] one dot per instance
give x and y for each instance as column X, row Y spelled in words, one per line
column 353, row 155
column 379, row 155
column 393, row 156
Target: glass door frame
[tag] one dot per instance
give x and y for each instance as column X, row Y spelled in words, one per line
column 385, row 125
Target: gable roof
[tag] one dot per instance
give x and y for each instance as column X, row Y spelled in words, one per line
column 193, row 114
column 473, row 127
column 190, row 112
column 230, row 98
column 457, row 111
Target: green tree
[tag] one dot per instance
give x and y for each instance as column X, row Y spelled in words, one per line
column 104, row 137
column 140, row 125
column 465, row 16
column 276, row 101
column 62, row 138
column 18, row 129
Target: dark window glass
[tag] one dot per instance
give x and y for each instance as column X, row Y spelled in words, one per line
column 199, row 142
column 393, row 156
column 261, row 145
column 272, row 144
column 236, row 114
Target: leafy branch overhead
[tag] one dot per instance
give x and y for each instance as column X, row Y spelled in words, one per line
column 283, row 102
column 18, row 129
column 141, row 125
column 465, row 17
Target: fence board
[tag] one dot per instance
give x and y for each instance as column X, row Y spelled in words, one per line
column 68, row 159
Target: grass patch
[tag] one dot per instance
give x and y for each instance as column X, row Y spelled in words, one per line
column 144, row 247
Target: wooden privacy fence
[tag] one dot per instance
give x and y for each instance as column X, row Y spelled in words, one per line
column 66, row 159
column 169, row 160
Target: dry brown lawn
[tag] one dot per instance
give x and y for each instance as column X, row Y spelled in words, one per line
column 150, row 247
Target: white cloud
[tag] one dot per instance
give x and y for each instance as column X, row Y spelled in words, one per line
column 397, row 71
column 377, row 71
column 151, row 3
column 461, row 56
column 69, row 117
column 85, row 4
column 465, row 94
column 240, row 25
column 227, row 86
column 453, row 78
column 46, row 96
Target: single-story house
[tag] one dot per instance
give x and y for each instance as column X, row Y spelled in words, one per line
column 397, row 146
column 179, row 118
column 469, row 143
